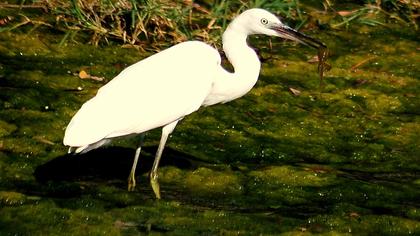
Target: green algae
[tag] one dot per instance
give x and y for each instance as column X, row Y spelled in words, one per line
column 6, row 128
column 338, row 159
column 204, row 181
column 12, row 198
column 289, row 175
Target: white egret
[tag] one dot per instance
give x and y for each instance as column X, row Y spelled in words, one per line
column 162, row 89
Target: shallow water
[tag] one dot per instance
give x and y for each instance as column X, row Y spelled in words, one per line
column 341, row 158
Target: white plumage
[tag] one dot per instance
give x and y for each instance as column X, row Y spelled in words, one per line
column 165, row 87
column 149, row 94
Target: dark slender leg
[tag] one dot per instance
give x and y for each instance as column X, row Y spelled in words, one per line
column 132, row 177
column 166, row 131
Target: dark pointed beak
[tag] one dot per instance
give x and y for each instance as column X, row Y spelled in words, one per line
column 290, row 33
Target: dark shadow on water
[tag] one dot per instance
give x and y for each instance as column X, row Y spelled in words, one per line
column 108, row 164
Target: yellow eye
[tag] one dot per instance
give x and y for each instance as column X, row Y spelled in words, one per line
column 264, row 21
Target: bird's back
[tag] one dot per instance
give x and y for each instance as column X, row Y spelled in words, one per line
column 150, row 93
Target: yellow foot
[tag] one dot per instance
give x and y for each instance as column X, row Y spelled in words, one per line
column 131, row 183
column 155, row 185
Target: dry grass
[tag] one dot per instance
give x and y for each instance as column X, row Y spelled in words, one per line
column 157, row 22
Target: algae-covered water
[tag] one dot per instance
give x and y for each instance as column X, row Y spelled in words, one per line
column 336, row 159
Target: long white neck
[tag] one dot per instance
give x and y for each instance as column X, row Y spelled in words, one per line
column 229, row 86
column 244, row 60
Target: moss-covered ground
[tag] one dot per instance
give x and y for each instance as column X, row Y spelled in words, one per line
column 337, row 159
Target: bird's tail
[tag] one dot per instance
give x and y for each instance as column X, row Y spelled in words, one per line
column 87, row 148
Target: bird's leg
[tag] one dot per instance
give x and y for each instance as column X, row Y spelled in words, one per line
column 166, row 131
column 132, row 176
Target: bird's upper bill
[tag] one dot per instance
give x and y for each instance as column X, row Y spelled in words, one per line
column 289, row 33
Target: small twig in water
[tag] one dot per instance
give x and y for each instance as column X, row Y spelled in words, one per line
column 33, row 6
column 359, row 64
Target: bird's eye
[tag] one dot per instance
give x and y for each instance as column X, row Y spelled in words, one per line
column 264, row 21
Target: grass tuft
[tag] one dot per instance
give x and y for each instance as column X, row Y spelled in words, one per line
column 155, row 22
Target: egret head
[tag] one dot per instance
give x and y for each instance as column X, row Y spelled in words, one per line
column 260, row 21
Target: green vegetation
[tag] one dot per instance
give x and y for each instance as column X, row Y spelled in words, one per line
column 336, row 159
column 157, row 22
